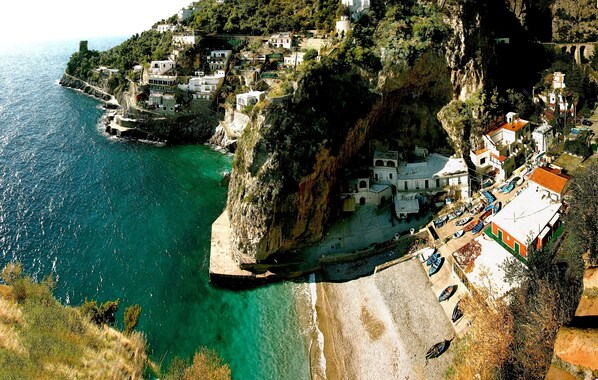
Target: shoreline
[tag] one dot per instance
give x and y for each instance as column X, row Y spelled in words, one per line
column 379, row 326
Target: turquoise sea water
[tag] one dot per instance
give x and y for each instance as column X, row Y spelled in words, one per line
column 113, row 219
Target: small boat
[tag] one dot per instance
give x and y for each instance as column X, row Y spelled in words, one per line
column 509, row 188
column 487, row 183
column 496, row 208
column 433, row 257
column 470, row 226
column 436, row 264
column 458, row 212
column 458, row 234
column 489, row 197
column 486, row 214
column 457, row 312
column 464, row 221
column 520, row 181
column 515, row 180
column 437, row 349
column 489, row 207
column 478, row 227
column 447, row 293
column 440, row 221
column 452, row 216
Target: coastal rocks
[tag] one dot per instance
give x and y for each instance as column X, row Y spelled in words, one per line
column 78, row 84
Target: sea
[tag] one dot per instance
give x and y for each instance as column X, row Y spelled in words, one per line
column 114, row 219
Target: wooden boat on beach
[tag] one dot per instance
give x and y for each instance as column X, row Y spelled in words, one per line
column 437, row 349
column 436, row 265
column 447, row 293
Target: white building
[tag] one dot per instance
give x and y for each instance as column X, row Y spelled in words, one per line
column 181, row 40
column 542, row 137
column 385, row 167
column 293, row 60
column 248, row 99
column 163, row 28
column 205, row 87
column 557, row 96
column 218, row 59
column 162, row 82
column 550, row 183
column 343, row 26
column 362, row 192
column 356, row 7
column 503, row 146
column 434, row 174
column 161, row 67
column 281, row 40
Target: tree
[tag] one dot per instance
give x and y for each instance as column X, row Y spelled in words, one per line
column 132, row 314
column 103, row 314
column 584, row 212
column 310, row 55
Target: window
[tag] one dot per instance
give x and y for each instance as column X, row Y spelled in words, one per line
column 405, row 185
column 390, row 164
column 363, row 185
column 379, row 163
column 426, row 184
column 390, row 176
column 437, row 182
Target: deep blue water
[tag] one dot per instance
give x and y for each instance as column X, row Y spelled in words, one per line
column 113, row 219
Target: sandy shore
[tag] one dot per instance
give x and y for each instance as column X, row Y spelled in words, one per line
column 380, row 326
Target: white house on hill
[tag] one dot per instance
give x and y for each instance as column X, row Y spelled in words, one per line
column 161, row 67
column 385, row 167
column 435, row 174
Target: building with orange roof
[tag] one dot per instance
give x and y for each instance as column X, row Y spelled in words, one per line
column 503, row 147
column 551, row 183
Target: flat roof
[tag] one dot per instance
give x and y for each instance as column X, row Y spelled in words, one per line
column 516, row 125
column 487, row 267
column 378, row 187
column 526, row 215
column 386, row 154
column 406, row 206
column 435, row 166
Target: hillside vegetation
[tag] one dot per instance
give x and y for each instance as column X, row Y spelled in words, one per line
column 42, row 339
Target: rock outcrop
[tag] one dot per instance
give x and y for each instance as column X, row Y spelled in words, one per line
column 91, row 90
column 284, row 183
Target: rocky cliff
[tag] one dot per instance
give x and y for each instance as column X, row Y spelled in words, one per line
column 284, row 183
column 91, row 90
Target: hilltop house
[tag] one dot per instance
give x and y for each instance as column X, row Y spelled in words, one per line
column 558, row 96
column 162, row 83
column 182, row 40
column 205, row 87
column 434, row 174
column 356, row 7
column 550, row 183
column 161, row 67
column 163, row 28
column 281, row 40
column 542, row 137
column 293, row 60
column 527, row 221
column 504, row 148
column 218, row 59
column 248, row 99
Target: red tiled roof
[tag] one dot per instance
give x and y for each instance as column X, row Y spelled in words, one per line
column 550, row 179
column 516, row 125
column 500, row 158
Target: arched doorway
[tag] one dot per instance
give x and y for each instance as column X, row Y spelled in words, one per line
column 573, row 50
column 379, row 163
column 390, row 164
column 582, row 53
column 363, row 185
column 362, row 201
column 564, row 49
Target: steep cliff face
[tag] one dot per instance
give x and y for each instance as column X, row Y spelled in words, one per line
column 284, row 184
column 467, row 55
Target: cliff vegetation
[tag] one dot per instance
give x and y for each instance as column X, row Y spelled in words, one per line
column 42, row 339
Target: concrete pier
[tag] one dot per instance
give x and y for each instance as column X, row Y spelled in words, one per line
column 224, row 268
